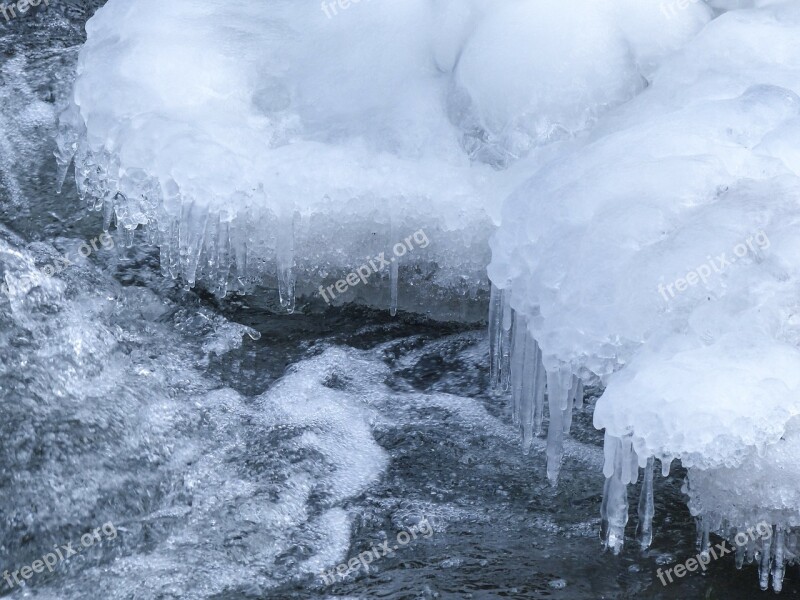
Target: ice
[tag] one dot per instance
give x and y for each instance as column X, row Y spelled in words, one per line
column 639, row 159
column 613, row 253
column 280, row 142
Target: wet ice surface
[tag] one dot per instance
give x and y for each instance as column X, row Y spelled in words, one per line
column 236, row 467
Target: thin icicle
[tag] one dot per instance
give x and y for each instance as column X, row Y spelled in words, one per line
column 508, row 318
column 578, row 404
column 666, row 462
column 741, row 550
column 224, row 258
column 108, row 211
column 644, row 530
column 394, row 276
column 765, row 563
column 703, row 537
column 614, row 508
column 573, row 392
column 192, row 232
column 520, row 332
column 539, row 387
column 285, row 257
column 505, row 349
column 530, row 375
column 495, row 335
column 779, row 562
column 630, row 464
column 70, row 129
column 558, row 386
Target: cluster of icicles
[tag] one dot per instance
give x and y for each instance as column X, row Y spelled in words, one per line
column 225, row 250
column 195, row 242
column 517, row 365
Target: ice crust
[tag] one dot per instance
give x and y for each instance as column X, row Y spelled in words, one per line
column 701, row 163
column 269, row 143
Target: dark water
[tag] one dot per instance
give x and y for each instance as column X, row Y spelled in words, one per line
column 238, row 453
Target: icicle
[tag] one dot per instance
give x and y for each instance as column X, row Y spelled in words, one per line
column 211, row 248
column 634, row 465
column 644, row 530
column 191, row 233
column 224, row 257
column 495, row 335
column 530, row 376
column 779, row 564
column 239, row 240
column 70, row 129
column 741, row 550
column 578, row 404
column 558, row 386
column 609, row 455
column 108, row 212
column 507, row 312
column 505, row 340
column 164, row 248
column 518, row 358
column 573, row 394
column 703, row 539
column 751, row 551
column 505, row 348
column 764, row 563
column 630, row 465
column 614, row 508
column 394, row 275
column 666, row 461
column 175, row 250
column 62, row 166
column 540, row 385
column 285, row 258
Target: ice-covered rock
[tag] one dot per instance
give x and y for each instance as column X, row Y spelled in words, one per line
column 282, row 142
column 660, row 258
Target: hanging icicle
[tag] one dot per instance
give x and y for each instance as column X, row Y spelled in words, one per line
column 644, row 530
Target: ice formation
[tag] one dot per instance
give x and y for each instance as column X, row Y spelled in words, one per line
column 639, row 157
column 659, row 259
column 280, row 142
